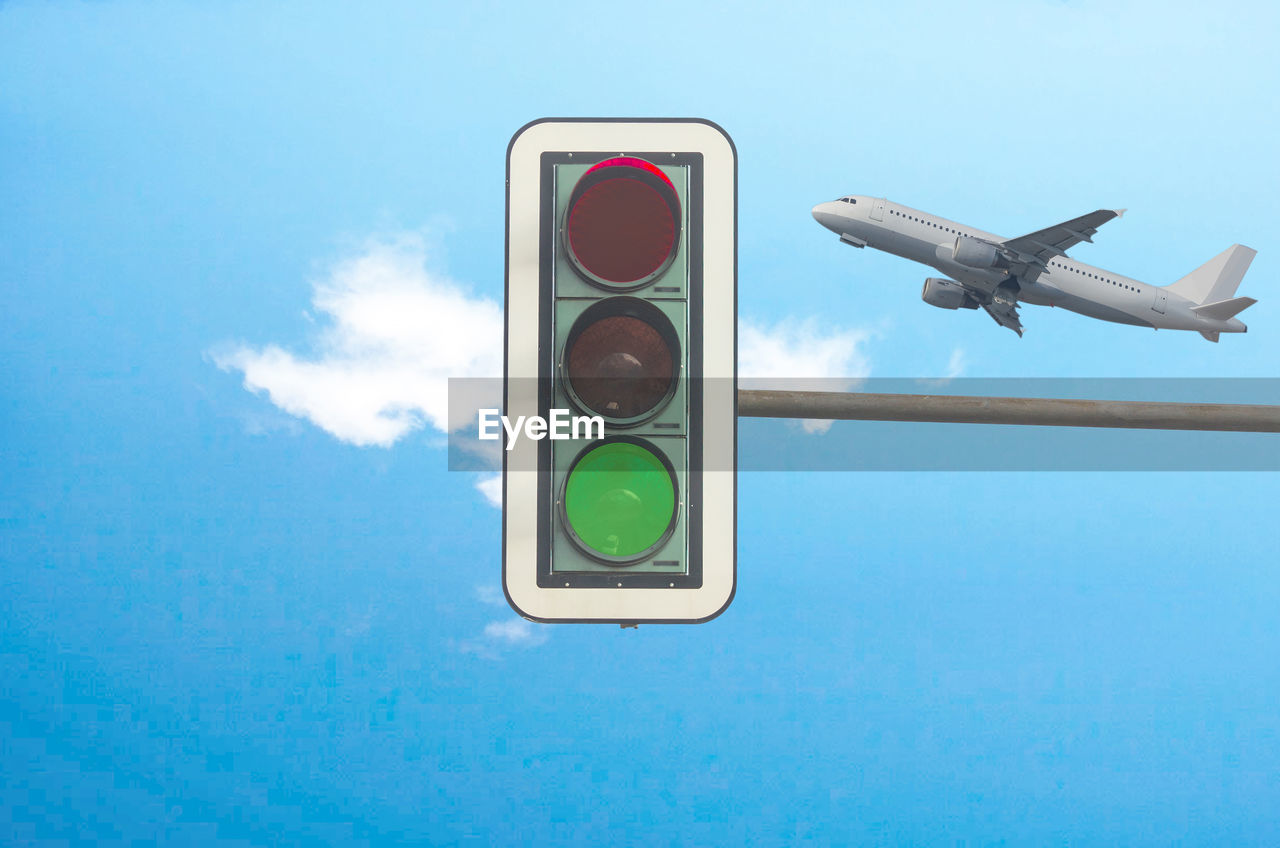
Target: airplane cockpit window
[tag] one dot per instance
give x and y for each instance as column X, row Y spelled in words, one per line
column 847, row 200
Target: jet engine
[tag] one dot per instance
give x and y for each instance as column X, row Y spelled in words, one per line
column 947, row 294
column 976, row 253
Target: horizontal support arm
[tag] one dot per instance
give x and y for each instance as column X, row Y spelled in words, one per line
column 1044, row 412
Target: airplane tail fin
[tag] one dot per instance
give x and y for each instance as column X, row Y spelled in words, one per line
column 1216, row 280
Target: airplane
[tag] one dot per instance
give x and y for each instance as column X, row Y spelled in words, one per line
column 995, row 273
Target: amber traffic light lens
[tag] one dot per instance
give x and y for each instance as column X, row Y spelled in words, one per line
column 621, row 360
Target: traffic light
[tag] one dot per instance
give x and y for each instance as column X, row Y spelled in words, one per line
column 620, row 389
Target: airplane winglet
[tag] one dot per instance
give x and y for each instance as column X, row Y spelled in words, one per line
column 1119, row 212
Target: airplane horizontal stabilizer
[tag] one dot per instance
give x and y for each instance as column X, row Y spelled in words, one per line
column 1211, row 336
column 1217, row 279
column 1223, row 309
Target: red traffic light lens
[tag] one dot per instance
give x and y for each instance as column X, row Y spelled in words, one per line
column 622, row 224
column 621, row 360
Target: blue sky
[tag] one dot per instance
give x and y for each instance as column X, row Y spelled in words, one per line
column 243, row 601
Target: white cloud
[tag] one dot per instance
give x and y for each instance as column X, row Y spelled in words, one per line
column 490, row 485
column 396, row 333
column 800, row 351
column 392, row 333
column 801, row 356
column 956, row 366
column 515, row 631
column 504, row 635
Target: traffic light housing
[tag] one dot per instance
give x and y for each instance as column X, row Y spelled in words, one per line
column 619, row 502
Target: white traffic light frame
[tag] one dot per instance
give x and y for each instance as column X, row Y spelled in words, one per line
column 528, row 360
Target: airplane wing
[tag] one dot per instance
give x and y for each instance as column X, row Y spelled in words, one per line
column 1003, row 309
column 1034, row 250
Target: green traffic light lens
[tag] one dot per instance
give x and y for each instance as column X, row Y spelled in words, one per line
column 619, row 500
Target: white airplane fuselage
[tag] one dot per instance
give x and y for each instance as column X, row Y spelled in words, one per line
column 1064, row 282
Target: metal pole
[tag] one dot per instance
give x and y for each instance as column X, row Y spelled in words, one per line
column 1045, row 412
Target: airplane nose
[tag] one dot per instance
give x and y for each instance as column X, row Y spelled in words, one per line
column 821, row 214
